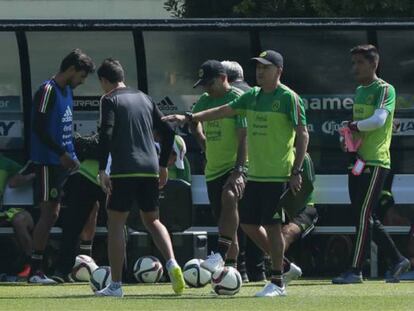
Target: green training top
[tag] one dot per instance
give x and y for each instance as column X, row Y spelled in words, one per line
column 8, row 168
column 271, row 122
column 308, row 173
column 221, row 135
column 90, row 169
column 375, row 147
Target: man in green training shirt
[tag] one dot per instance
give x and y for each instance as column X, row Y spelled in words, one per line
column 13, row 175
column 373, row 114
column 275, row 118
column 224, row 142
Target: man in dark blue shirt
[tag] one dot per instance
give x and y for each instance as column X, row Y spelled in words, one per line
column 52, row 149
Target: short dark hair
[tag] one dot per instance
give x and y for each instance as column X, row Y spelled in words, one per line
column 79, row 60
column 369, row 51
column 111, row 69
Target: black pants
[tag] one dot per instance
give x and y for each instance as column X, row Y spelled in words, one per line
column 364, row 192
column 80, row 197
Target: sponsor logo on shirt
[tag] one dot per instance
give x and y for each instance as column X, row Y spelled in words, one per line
column 359, row 110
column 67, row 117
column 276, row 105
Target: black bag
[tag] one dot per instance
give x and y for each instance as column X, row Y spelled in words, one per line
column 86, row 147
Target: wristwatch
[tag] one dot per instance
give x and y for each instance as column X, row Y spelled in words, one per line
column 189, row 116
column 240, row 169
column 297, row 171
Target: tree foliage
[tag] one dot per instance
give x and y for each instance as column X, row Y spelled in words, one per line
column 289, row 8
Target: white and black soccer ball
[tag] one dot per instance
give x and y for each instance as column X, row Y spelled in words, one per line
column 100, row 278
column 226, row 281
column 148, row 269
column 194, row 274
column 83, row 268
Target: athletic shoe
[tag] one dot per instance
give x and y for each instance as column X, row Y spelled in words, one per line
column 109, row 291
column 244, row 276
column 177, row 280
column 60, row 277
column 348, row 277
column 25, row 272
column 271, row 290
column 213, row 262
column 40, row 278
column 401, row 267
column 293, row 274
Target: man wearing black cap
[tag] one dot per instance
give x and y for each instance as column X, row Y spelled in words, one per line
column 224, row 142
column 276, row 126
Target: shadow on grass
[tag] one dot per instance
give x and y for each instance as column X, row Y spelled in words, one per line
column 40, row 285
column 135, row 297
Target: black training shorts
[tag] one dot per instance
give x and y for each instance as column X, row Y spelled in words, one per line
column 128, row 191
column 259, row 204
column 306, row 220
column 215, row 190
column 49, row 182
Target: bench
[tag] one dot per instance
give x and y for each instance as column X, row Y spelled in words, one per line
column 331, row 189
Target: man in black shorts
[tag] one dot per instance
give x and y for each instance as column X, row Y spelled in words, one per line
column 128, row 117
column 250, row 261
column 276, row 125
column 224, row 142
column 52, row 149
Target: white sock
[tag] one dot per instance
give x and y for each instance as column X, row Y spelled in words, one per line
column 172, row 263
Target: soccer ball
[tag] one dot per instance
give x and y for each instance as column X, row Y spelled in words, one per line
column 83, row 268
column 100, row 278
column 148, row 269
column 226, row 281
column 195, row 275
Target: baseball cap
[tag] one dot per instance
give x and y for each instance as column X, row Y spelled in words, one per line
column 270, row 57
column 209, row 70
column 180, row 149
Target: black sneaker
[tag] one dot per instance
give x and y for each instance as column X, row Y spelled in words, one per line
column 241, row 267
column 60, row 277
column 348, row 277
column 244, row 277
column 399, row 268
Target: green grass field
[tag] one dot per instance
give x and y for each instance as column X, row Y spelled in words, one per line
column 302, row 295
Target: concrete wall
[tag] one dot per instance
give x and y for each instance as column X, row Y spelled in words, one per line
column 82, row 9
